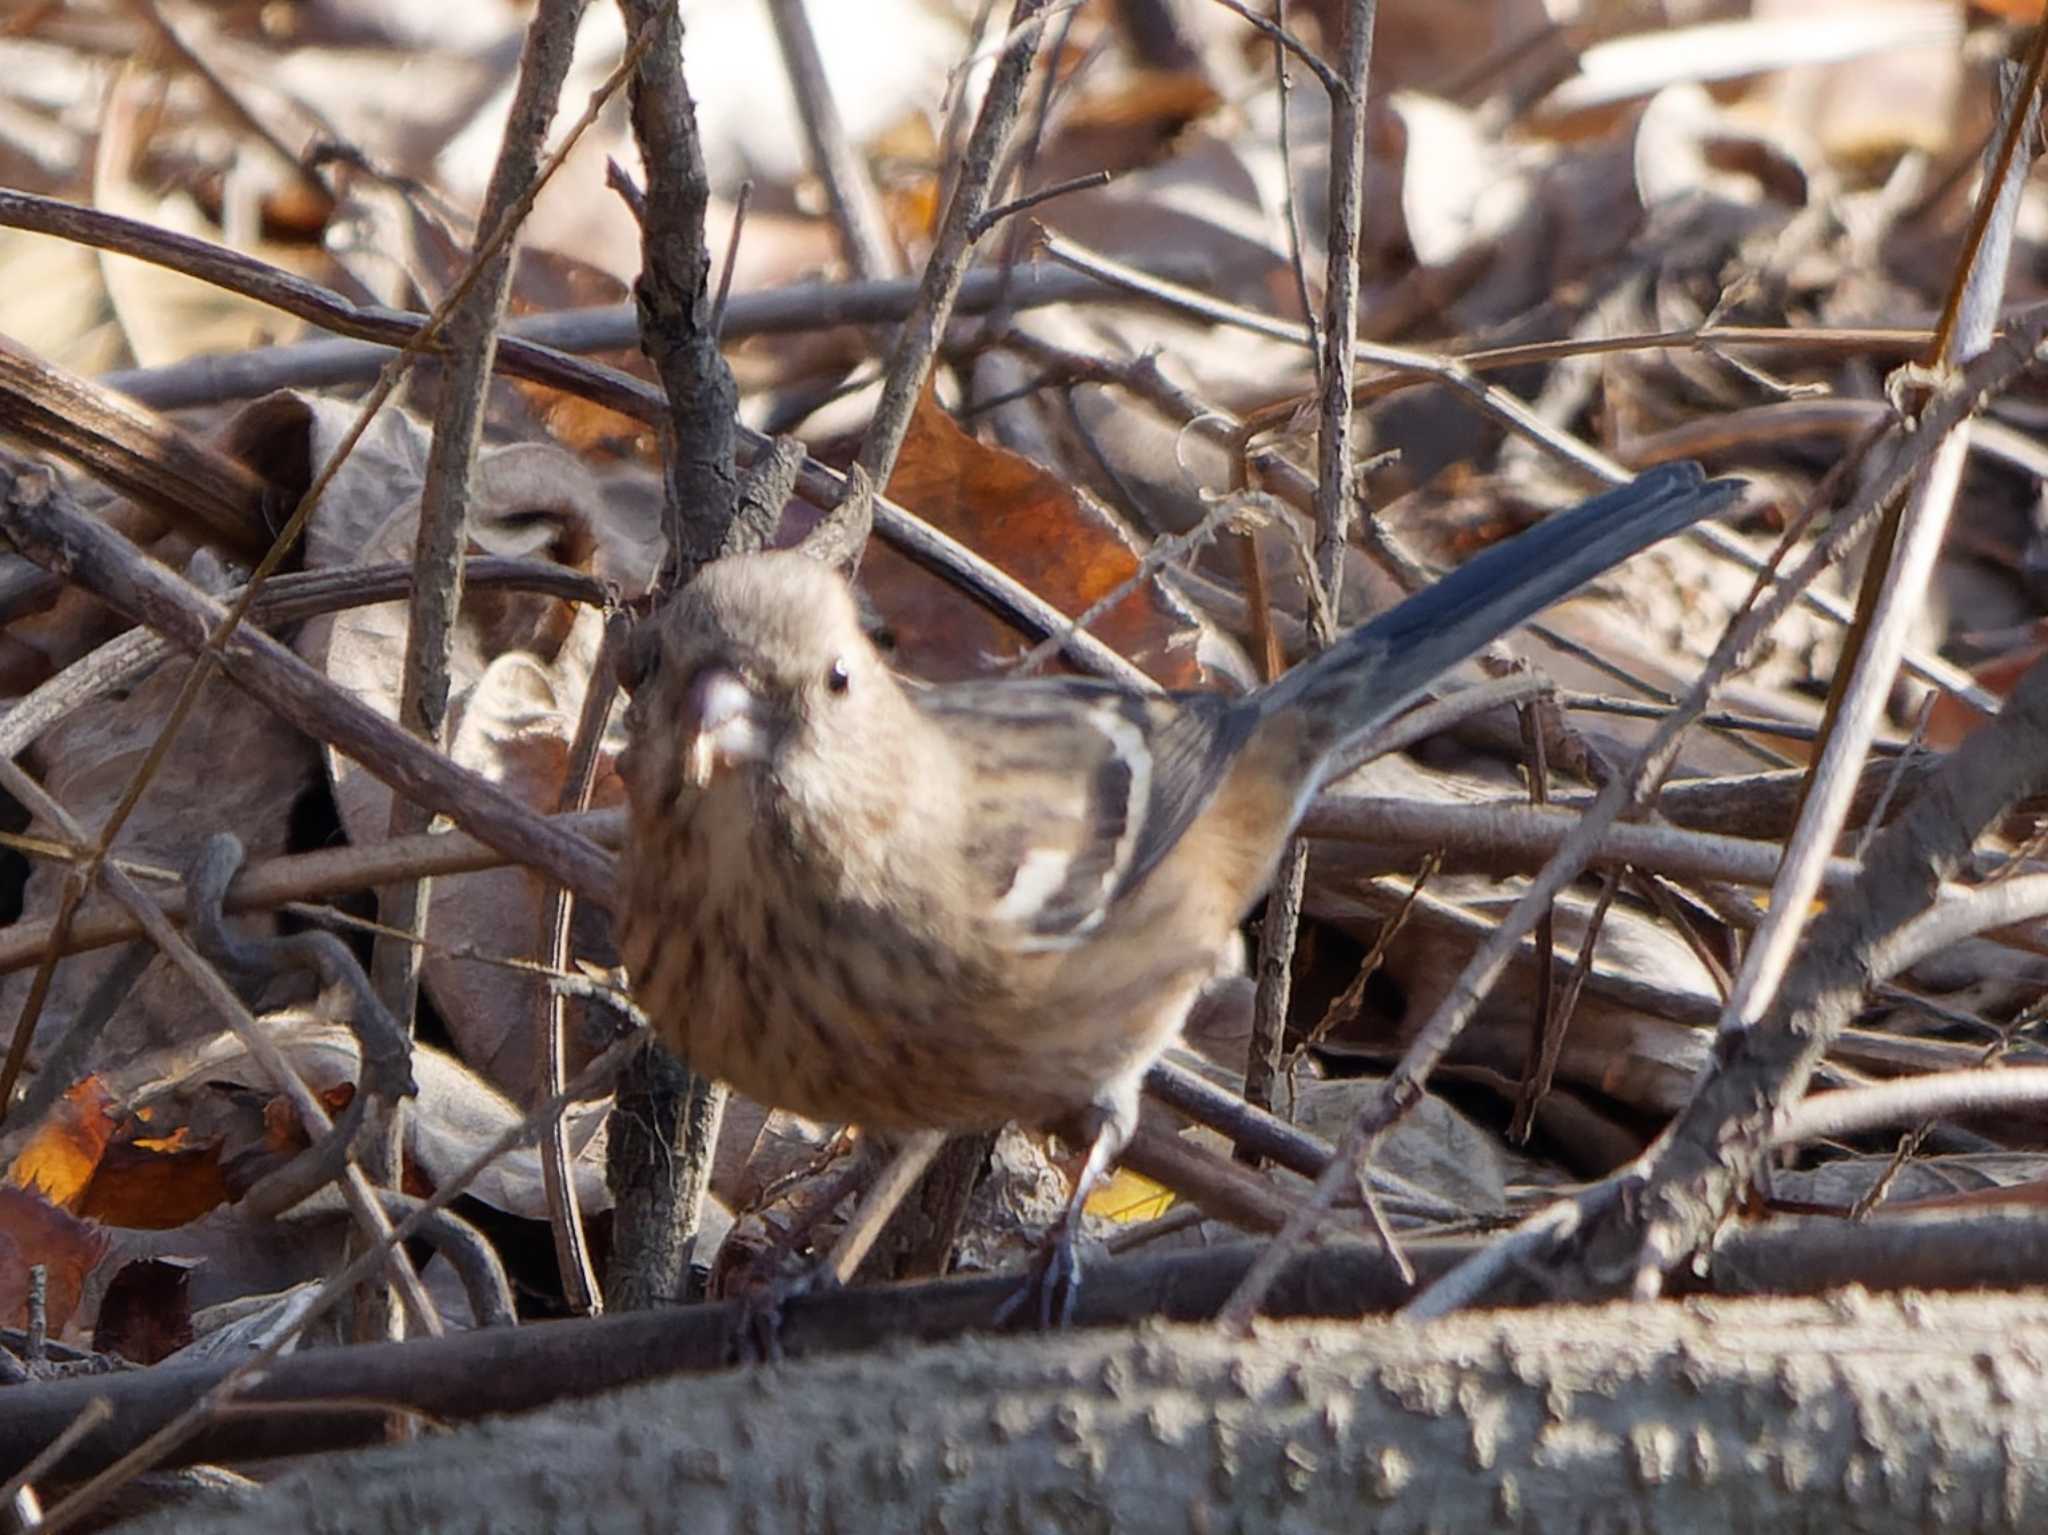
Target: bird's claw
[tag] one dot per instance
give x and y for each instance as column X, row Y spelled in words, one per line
column 756, row 1336
column 1052, row 1286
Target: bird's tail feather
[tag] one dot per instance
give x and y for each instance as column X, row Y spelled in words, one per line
column 1377, row 668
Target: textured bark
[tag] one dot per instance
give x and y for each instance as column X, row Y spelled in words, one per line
column 1850, row 1414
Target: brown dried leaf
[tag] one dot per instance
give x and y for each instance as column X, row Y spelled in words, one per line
column 33, row 1231
column 1027, row 521
column 219, row 1094
column 1204, row 205
column 164, row 315
column 234, row 764
column 519, row 672
column 233, row 1257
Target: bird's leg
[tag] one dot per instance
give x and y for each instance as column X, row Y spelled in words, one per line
column 888, row 1191
column 758, row 1332
column 1054, row 1282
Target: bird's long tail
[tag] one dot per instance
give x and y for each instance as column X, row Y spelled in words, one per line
column 1377, row 668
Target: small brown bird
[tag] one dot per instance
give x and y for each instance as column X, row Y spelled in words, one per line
column 942, row 908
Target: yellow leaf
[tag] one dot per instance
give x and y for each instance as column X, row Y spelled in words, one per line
column 1129, row 1198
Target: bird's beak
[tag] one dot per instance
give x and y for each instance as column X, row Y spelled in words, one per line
column 721, row 725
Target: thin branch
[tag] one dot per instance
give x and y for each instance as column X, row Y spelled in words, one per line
column 1334, row 508
column 442, row 530
column 917, row 343
column 38, row 515
column 1661, row 1208
column 221, row 999
column 1511, row 413
column 1332, row 82
column 678, row 330
column 662, row 1137
column 1942, row 1095
column 192, row 1412
column 819, row 484
column 984, row 222
column 580, row 1289
column 855, row 201
column 1894, row 590
column 1951, row 403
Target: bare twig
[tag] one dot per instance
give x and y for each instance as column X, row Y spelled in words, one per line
column 161, row 467
column 1331, row 80
column 678, row 330
column 1334, row 505
column 565, row 1217
column 1082, row 183
column 1854, row 1111
column 1950, row 404
column 94, row 1413
column 1283, row 89
column 606, row 386
column 284, row 599
column 856, row 203
column 1895, row 584
column 219, row 996
column 189, row 1414
column 1971, row 913
column 1661, row 1208
column 665, row 1119
column 917, row 343
column 39, row 518
column 442, row 532
column 740, row 203
column 799, row 308
column 1464, row 381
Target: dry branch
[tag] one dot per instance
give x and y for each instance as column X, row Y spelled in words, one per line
column 1853, row 1415
column 40, row 519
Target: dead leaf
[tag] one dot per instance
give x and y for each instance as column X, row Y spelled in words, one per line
column 1130, row 1199
column 520, row 669
column 235, row 764
column 146, row 1314
column 1028, row 522
column 58, row 1161
column 454, row 1116
column 35, row 1232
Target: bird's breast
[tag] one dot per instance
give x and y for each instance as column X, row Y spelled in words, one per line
column 802, row 986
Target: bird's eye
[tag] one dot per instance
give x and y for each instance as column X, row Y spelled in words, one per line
column 838, row 676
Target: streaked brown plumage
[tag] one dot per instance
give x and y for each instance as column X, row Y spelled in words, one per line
column 944, row 908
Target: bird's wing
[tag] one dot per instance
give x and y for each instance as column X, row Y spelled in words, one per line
column 1081, row 790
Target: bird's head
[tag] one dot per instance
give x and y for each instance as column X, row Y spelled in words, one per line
column 761, row 658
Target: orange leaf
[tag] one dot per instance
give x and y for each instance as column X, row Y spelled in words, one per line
column 60, row 1158
column 1028, row 522
column 156, row 1184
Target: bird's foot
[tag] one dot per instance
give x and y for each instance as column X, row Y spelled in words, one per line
column 1051, row 1287
column 756, row 1335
